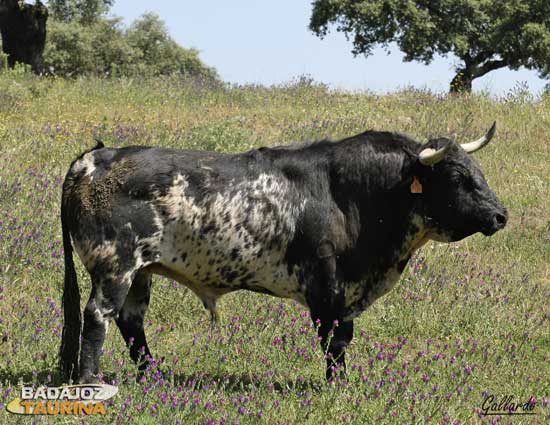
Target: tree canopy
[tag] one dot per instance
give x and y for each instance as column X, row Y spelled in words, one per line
column 83, row 11
column 484, row 34
column 105, row 47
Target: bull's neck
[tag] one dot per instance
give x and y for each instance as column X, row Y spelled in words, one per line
column 391, row 221
column 384, row 221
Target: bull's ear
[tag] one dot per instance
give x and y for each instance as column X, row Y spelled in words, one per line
column 431, row 156
column 476, row 145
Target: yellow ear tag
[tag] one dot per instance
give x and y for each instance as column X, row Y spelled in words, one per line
column 416, row 186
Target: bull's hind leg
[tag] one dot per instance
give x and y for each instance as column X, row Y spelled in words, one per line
column 106, row 299
column 131, row 316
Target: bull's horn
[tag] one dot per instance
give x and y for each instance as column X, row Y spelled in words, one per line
column 431, row 156
column 479, row 143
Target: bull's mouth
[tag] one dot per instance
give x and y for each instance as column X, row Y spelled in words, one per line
column 489, row 232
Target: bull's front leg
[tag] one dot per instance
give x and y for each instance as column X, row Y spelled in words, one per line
column 326, row 300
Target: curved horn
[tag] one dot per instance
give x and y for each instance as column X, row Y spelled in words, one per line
column 431, row 156
column 479, row 143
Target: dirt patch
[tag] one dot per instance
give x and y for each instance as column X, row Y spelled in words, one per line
column 96, row 196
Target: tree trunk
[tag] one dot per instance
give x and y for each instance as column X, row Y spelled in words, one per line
column 23, row 30
column 462, row 82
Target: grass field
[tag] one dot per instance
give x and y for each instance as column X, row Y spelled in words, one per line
column 467, row 320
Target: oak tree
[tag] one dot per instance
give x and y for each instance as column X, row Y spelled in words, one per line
column 484, row 34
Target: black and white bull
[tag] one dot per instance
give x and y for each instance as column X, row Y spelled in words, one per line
column 329, row 224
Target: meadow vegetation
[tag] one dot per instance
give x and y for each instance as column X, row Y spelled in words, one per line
column 466, row 321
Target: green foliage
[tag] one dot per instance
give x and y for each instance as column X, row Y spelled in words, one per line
column 73, row 49
column 159, row 53
column 484, row 34
column 83, row 11
column 104, row 47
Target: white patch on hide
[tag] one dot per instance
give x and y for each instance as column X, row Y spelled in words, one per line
column 229, row 240
column 86, row 164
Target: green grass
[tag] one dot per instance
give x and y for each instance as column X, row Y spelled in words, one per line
column 466, row 320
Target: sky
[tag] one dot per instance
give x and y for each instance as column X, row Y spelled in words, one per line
column 268, row 42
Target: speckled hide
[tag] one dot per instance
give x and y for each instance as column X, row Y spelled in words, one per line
column 328, row 224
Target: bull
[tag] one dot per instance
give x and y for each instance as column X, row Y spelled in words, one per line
column 330, row 224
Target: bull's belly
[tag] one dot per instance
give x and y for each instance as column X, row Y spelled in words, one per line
column 212, row 268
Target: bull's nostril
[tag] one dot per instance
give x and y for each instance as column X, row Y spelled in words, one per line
column 500, row 220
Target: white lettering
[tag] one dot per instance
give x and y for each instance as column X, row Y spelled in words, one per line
column 27, row 393
column 86, row 393
column 40, row 393
column 53, row 393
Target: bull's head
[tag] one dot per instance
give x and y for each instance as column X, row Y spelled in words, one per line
column 458, row 202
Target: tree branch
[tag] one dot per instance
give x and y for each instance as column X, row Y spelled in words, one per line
column 488, row 67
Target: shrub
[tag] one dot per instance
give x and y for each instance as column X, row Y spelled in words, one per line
column 74, row 49
column 104, row 47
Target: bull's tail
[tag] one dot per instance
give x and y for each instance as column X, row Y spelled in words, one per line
column 70, row 339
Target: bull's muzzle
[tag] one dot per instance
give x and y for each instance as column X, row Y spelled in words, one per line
column 498, row 219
